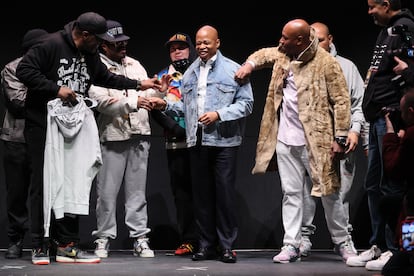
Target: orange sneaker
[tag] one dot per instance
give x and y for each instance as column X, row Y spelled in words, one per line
column 184, row 249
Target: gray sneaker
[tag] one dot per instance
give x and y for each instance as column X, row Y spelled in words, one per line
column 142, row 249
column 102, row 247
column 305, row 246
column 346, row 249
column 288, row 254
column 71, row 254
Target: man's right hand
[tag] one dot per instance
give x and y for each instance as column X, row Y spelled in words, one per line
column 242, row 75
column 66, row 94
column 144, row 102
column 151, row 83
column 158, row 103
column 400, row 67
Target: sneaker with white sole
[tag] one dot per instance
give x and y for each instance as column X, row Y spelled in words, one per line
column 40, row 256
column 305, row 246
column 361, row 260
column 379, row 263
column 346, row 249
column 70, row 253
column 102, row 247
column 288, row 254
column 142, row 249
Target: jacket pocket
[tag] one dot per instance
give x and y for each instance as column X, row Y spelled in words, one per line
column 226, row 93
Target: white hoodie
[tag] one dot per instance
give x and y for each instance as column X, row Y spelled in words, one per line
column 72, row 159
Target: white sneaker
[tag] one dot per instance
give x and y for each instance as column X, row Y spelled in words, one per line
column 379, row 263
column 346, row 249
column 305, row 246
column 142, row 249
column 361, row 260
column 288, row 254
column 102, row 247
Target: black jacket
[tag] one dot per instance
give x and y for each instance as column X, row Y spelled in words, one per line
column 381, row 91
column 57, row 62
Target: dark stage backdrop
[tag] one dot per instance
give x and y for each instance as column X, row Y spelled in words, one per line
column 242, row 29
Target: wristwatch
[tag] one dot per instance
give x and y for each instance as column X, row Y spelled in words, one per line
column 341, row 140
column 138, row 85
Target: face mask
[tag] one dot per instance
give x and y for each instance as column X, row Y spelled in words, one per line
column 181, row 65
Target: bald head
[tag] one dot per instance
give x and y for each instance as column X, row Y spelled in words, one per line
column 295, row 37
column 323, row 35
column 321, row 27
column 298, row 27
column 208, row 30
column 207, row 42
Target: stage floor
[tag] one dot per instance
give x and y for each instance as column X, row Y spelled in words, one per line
column 249, row 262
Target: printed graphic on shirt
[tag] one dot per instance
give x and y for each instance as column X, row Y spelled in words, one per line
column 74, row 74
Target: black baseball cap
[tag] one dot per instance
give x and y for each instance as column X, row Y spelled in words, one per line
column 115, row 32
column 93, row 23
column 179, row 37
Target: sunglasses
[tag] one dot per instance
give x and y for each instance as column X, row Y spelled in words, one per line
column 117, row 44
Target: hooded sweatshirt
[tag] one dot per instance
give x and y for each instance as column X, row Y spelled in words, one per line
column 72, row 159
column 380, row 90
column 58, row 62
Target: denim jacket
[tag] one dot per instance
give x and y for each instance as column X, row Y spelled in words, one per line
column 224, row 95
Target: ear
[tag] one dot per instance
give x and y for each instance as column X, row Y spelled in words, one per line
column 103, row 46
column 330, row 37
column 299, row 39
column 85, row 34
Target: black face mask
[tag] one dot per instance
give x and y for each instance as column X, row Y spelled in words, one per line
column 181, row 65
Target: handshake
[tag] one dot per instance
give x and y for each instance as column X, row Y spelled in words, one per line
column 155, row 83
column 150, row 103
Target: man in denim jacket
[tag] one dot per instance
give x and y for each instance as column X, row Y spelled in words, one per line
column 215, row 108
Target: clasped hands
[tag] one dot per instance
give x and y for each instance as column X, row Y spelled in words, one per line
column 150, row 103
column 155, row 83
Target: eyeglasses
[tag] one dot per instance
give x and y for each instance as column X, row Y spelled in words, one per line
column 182, row 47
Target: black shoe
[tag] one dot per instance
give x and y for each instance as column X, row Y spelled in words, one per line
column 15, row 250
column 204, row 254
column 228, row 256
column 40, row 256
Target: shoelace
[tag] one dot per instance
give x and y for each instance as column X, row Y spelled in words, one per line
column 385, row 255
column 143, row 243
column 186, row 246
column 101, row 243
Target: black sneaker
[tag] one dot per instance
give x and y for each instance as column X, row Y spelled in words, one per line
column 15, row 250
column 40, row 256
column 71, row 254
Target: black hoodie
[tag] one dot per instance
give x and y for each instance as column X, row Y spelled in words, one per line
column 381, row 91
column 57, row 62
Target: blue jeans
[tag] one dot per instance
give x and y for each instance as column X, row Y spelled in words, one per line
column 377, row 186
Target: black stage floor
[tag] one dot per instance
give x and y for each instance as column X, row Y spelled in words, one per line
column 250, row 262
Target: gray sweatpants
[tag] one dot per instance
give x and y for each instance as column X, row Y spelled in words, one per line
column 124, row 162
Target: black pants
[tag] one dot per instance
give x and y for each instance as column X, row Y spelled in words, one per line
column 63, row 230
column 213, row 171
column 179, row 167
column 401, row 263
column 17, row 178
